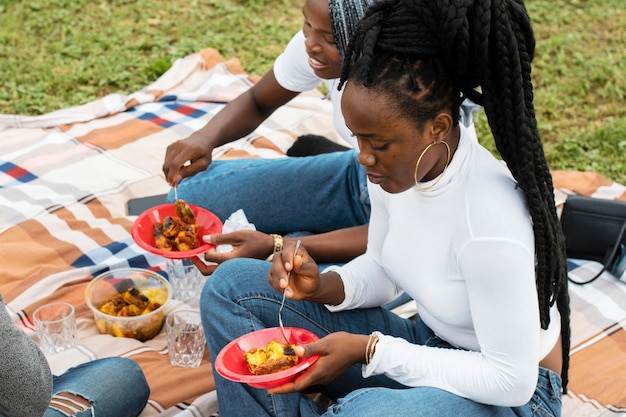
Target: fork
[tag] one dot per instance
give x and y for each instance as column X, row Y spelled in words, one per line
column 282, row 303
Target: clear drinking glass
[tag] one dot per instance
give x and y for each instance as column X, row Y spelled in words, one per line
column 55, row 325
column 185, row 338
column 186, row 280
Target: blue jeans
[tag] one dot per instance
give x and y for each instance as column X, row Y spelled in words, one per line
column 312, row 194
column 237, row 299
column 105, row 387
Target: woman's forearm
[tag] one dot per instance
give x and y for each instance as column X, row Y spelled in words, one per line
column 246, row 112
column 341, row 245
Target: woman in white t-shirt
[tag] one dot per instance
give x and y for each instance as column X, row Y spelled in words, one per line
column 332, row 186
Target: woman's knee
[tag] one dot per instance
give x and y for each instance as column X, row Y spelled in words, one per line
column 91, row 385
column 130, row 370
column 233, row 279
column 237, row 274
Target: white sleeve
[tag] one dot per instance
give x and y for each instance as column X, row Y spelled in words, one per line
column 504, row 308
column 292, row 69
column 366, row 283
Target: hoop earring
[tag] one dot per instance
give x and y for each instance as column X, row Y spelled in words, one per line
column 417, row 164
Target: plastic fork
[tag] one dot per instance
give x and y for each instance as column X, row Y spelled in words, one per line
column 282, row 303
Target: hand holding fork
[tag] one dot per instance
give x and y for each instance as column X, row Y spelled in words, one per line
column 282, row 303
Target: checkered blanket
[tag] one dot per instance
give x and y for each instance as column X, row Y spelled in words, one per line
column 65, row 180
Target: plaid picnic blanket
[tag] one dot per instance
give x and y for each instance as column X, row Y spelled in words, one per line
column 598, row 320
column 65, row 180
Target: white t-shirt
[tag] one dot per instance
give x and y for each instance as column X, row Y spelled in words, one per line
column 464, row 250
column 293, row 72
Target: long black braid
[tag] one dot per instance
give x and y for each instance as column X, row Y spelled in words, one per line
column 344, row 16
column 484, row 48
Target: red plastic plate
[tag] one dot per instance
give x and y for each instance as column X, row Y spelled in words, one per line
column 142, row 230
column 231, row 365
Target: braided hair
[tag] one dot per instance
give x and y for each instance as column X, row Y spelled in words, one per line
column 344, row 16
column 482, row 50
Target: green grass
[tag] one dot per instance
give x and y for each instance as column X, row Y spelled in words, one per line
column 61, row 53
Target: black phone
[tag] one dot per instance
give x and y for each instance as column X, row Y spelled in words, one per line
column 136, row 206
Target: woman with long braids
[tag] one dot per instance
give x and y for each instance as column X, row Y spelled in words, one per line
column 475, row 241
column 328, row 189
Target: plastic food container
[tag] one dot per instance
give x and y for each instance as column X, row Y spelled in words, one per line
column 129, row 302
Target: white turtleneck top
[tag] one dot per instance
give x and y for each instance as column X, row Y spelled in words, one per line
column 464, row 250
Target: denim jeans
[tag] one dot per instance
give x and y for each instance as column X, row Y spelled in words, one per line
column 237, row 299
column 312, row 194
column 113, row 386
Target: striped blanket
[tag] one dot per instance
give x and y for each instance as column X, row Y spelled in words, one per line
column 66, row 178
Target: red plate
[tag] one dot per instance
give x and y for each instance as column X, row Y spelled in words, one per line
column 143, row 229
column 231, row 365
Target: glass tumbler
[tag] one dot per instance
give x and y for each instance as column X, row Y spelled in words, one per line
column 185, row 338
column 55, row 326
column 186, row 280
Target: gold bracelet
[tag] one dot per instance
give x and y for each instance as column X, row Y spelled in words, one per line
column 278, row 246
column 370, row 348
column 367, row 350
column 278, row 243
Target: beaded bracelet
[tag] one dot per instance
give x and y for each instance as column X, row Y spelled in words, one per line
column 370, row 348
column 278, row 246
